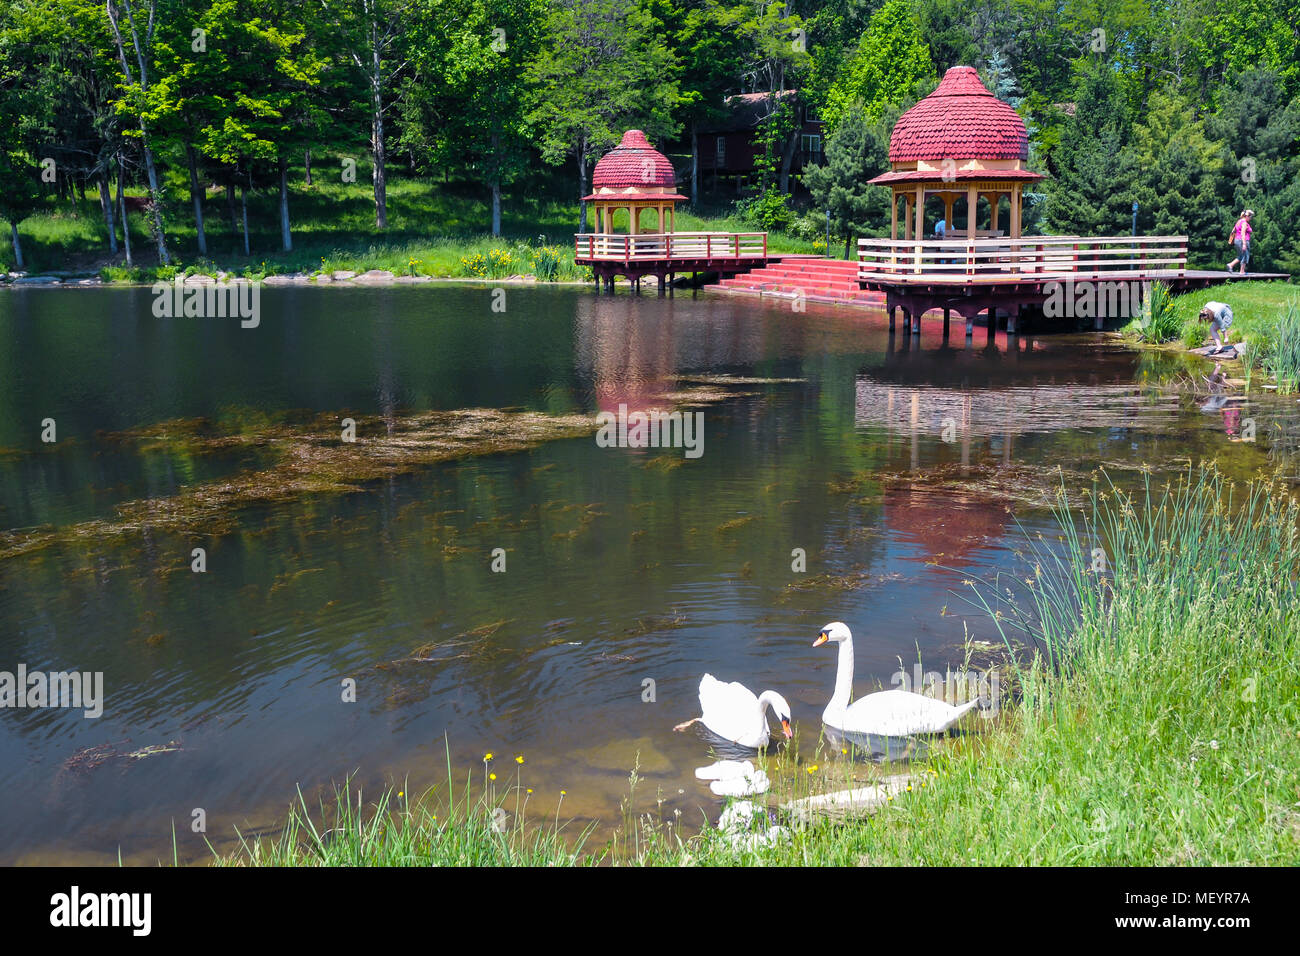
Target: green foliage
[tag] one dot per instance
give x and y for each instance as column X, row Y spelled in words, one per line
column 890, row 61
column 770, row 209
column 855, row 152
column 1157, row 321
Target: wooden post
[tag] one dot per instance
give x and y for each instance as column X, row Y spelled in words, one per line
column 893, row 217
column 993, row 322
column 970, row 326
column 972, row 207
column 945, row 322
column 1015, row 210
column 1013, row 312
column 891, row 310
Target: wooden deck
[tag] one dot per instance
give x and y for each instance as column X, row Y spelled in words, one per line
column 664, row 255
column 992, row 275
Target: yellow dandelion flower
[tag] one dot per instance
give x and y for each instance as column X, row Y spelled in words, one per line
column 493, row 776
column 564, row 793
column 812, row 769
column 401, row 793
column 519, row 759
column 530, row 789
column 487, row 756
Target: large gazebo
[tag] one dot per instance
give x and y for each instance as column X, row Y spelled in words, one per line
column 962, row 144
column 634, row 176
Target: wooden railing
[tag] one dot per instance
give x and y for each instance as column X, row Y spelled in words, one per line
column 964, row 260
column 672, row 245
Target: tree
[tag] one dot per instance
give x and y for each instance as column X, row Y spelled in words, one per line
column 1094, row 172
column 855, row 152
column 708, row 41
column 373, row 35
column 886, row 67
column 1180, row 168
column 1261, row 167
column 134, row 43
column 604, row 69
column 467, row 102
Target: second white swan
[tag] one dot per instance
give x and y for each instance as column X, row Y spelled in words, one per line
column 889, row 713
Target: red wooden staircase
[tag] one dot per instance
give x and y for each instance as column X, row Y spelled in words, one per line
column 820, row 280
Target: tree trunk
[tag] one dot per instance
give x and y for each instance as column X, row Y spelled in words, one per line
column 121, row 207
column 496, row 185
column 243, row 205
column 18, row 246
column 307, row 164
column 787, row 158
column 286, row 240
column 848, row 243
column 196, row 194
column 106, row 201
column 377, row 144
column 230, row 208
column 695, row 165
column 582, row 186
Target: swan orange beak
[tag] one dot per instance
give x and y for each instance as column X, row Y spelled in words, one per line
column 821, row 639
column 785, row 729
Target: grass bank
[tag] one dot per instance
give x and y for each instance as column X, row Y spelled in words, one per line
column 1265, row 326
column 1157, row 722
column 435, row 229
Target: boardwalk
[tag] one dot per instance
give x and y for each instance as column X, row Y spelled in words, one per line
column 665, row 255
column 1044, row 275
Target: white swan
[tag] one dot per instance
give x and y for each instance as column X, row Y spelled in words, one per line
column 733, row 712
column 889, row 713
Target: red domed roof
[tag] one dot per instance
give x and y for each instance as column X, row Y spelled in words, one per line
column 959, row 120
column 633, row 163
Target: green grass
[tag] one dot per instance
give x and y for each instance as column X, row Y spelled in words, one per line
column 1157, row 722
column 433, row 228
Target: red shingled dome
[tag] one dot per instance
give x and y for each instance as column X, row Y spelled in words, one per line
column 959, row 120
column 633, row 163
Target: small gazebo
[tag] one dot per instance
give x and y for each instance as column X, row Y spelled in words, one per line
column 634, row 176
column 959, row 143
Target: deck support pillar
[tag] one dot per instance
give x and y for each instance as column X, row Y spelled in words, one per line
column 916, row 322
column 946, row 314
column 663, row 285
column 993, row 323
column 1012, row 314
column 892, row 310
column 970, row 326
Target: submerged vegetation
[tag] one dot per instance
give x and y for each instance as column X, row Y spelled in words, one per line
column 1157, row 723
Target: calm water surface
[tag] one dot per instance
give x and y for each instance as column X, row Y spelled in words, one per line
column 622, row 564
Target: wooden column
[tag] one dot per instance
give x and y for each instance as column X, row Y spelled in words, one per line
column 893, row 217
column 972, row 207
column 907, row 217
column 1015, row 210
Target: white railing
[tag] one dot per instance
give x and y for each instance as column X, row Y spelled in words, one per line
column 672, row 245
column 966, row 260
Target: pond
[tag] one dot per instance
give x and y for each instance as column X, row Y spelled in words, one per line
column 895, row 466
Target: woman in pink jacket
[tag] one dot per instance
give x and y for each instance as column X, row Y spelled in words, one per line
column 1240, row 238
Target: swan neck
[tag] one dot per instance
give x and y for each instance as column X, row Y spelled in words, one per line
column 843, row 676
